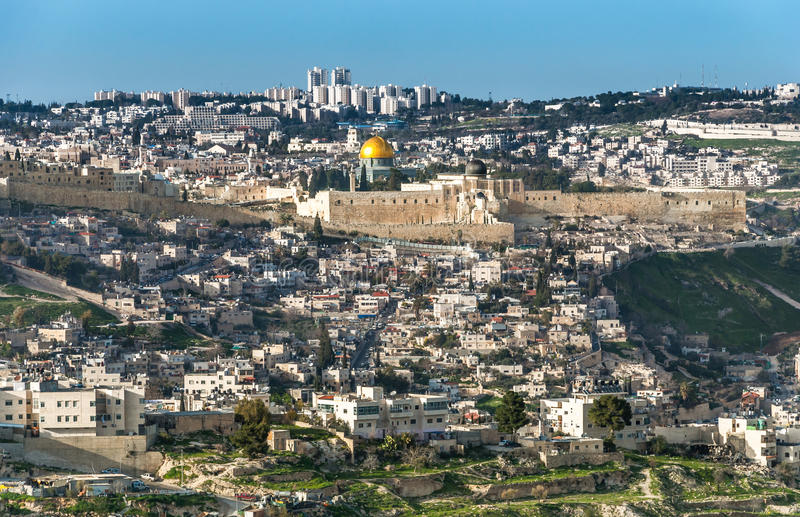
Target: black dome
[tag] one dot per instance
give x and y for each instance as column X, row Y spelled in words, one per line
column 475, row 167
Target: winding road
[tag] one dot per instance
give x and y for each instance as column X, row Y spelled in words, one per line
column 778, row 293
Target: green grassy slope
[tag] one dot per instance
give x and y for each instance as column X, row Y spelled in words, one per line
column 707, row 292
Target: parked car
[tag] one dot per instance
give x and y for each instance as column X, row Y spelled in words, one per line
column 508, row 443
column 111, row 471
column 147, row 476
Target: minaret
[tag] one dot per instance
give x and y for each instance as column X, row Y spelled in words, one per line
column 352, row 181
column 141, row 151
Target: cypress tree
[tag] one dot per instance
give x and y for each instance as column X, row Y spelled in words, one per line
column 363, row 184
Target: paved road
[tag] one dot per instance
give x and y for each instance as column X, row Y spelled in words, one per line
column 45, row 283
column 42, row 282
column 780, row 294
column 363, row 348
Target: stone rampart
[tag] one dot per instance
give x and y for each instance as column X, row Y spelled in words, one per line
column 131, row 201
column 150, row 205
column 720, row 209
column 391, row 207
column 423, row 215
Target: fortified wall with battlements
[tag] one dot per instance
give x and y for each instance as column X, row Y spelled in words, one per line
column 715, row 209
column 147, row 205
column 718, row 209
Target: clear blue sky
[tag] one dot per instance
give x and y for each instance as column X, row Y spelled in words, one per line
column 65, row 49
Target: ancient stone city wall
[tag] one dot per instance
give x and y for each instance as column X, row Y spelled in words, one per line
column 422, row 215
column 150, row 205
column 131, row 201
column 426, row 207
column 722, row 209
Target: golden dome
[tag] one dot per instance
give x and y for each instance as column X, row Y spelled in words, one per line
column 376, row 147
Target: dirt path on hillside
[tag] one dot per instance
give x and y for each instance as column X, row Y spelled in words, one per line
column 645, row 486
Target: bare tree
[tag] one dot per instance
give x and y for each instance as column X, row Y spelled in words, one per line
column 418, row 456
column 370, row 463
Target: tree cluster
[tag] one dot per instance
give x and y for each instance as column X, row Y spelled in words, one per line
column 511, row 414
column 254, row 418
column 129, row 271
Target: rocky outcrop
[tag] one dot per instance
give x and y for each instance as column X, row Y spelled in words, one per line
column 417, row 486
column 590, row 483
column 303, row 475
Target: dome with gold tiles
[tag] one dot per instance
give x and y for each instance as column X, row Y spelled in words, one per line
column 376, row 148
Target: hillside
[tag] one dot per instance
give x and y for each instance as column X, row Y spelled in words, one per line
column 708, row 292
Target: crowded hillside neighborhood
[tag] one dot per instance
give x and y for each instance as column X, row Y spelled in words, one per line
column 358, row 300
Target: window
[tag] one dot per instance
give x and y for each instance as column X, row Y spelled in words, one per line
column 9, row 417
column 413, row 421
column 75, row 418
column 92, row 418
column 58, row 403
column 58, row 419
column 118, row 402
column 439, row 420
column 430, row 420
column 119, row 417
column 91, row 403
column 41, row 420
column 9, row 402
column 41, row 404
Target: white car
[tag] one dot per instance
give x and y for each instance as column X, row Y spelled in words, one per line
column 147, row 477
